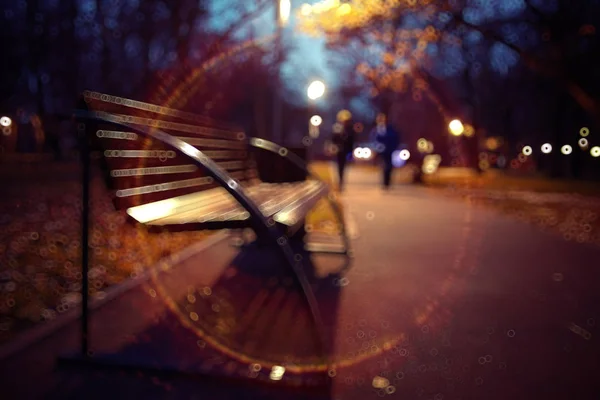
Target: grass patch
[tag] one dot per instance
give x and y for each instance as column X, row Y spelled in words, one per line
column 570, row 217
column 500, row 181
column 322, row 217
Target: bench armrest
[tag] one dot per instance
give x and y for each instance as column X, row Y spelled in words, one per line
column 300, row 163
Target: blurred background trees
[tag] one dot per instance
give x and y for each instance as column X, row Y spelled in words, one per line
column 522, row 70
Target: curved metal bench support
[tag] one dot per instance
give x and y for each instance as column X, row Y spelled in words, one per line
column 237, row 191
column 300, row 163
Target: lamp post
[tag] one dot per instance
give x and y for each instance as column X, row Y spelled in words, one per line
column 282, row 15
column 315, row 90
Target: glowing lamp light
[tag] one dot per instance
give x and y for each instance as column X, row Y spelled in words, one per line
column 431, row 163
column 344, row 9
column 430, row 147
column 316, row 120
column 492, row 143
column 546, row 148
column 315, row 90
column 527, row 150
column 362, row 153
column 285, row 6
column 456, row 127
column 5, row 121
column 305, row 9
column 277, row 373
column 501, row 162
column 343, row 115
column 397, row 159
column 404, row 154
column 595, row 151
column 583, row 143
column 422, row 145
column 584, row 132
column 566, row 149
column 469, row 131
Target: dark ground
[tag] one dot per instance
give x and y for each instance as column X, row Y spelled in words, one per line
column 444, row 300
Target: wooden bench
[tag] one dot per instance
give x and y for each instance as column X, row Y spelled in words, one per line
column 174, row 170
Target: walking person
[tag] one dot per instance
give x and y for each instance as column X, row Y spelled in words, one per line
column 344, row 140
column 389, row 139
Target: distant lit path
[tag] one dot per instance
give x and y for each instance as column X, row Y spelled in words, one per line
column 489, row 307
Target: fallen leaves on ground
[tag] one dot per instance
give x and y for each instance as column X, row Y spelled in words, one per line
column 573, row 216
column 40, row 251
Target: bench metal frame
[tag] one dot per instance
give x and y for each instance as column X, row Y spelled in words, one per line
column 266, row 225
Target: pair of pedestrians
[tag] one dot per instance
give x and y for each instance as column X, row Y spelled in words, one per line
column 384, row 134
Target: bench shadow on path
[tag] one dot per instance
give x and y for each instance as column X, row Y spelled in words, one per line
column 252, row 318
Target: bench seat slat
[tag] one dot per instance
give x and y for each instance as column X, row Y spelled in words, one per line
column 160, row 188
column 217, row 205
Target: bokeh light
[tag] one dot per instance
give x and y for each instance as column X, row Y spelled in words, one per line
column 343, row 115
column 305, row 9
column 566, row 149
column 595, row 151
column 397, row 159
column 5, row 121
column 431, row 163
column 316, row 120
column 362, row 153
column 422, row 145
column 527, row 150
column 285, row 7
column 315, row 90
column 546, row 148
column 584, row 132
column 456, row 127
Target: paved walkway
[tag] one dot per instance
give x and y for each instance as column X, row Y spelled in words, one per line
column 444, row 300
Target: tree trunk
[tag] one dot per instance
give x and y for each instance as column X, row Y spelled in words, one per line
column 35, row 29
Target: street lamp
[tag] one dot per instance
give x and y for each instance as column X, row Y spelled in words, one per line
column 282, row 15
column 456, row 127
column 315, row 90
column 285, row 7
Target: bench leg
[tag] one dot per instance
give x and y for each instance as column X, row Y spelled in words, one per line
column 309, row 296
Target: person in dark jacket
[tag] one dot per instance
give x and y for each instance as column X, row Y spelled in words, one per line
column 344, row 140
column 389, row 138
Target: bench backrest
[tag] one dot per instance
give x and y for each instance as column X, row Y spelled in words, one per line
column 142, row 170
